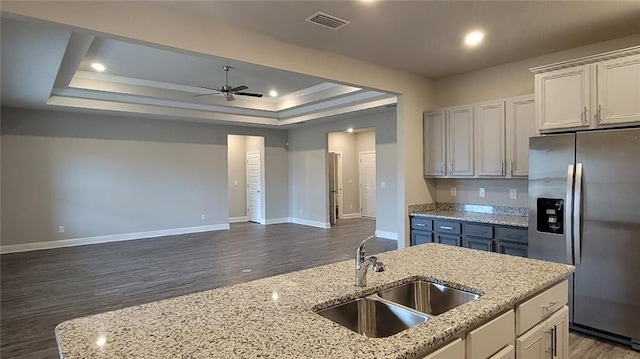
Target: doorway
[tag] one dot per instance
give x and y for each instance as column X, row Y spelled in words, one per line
column 344, row 178
column 246, row 171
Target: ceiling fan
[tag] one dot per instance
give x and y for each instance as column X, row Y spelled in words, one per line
column 228, row 91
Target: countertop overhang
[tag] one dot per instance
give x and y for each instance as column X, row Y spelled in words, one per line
column 274, row 317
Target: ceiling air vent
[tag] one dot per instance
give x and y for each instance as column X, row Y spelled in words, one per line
column 328, row 21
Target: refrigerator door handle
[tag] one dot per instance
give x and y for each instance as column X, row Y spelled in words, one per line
column 567, row 214
column 577, row 215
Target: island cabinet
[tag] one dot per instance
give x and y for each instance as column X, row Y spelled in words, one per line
column 480, row 236
column 588, row 93
column 538, row 328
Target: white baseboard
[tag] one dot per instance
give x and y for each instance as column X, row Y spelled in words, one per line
column 109, row 238
column 238, row 219
column 351, row 215
column 277, row 220
column 387, row 235
column 307, row 222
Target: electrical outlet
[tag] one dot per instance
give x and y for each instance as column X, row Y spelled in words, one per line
column 453, row 192
column 203, row 217
column 60, row 229
column 350, row 181
column 383, row 184
column 481, row 192
column 235, row 183
column 350, row 206
column 302, row 211
column 513, row 193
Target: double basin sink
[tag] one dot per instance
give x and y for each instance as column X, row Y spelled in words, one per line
column 393, row 310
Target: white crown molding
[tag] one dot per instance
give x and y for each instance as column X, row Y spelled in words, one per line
column 109, row 238
column 332, row 103
column 587, row 60
column 341, row 110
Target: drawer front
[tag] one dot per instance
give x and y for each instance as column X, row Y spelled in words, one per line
column 447, row 227
column 478, row 230
column 419, row 237
column 452, row 240
column 513, row 234
column 513, row 248
column 421, row 223
column 488, row 339
column 541, row 306
column 454, row 349
column 481, row 244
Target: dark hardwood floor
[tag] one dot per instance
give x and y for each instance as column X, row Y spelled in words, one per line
column 43, row 288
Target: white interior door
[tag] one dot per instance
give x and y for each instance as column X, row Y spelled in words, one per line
column 254, row 197
column 368, row 184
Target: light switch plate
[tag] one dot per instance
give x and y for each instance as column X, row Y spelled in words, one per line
column 453, row 192
column 481, row 192
column 513, row 193
column 383, row 184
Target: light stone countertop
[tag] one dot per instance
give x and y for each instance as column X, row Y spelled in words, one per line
column 273, row 317
column 490, row 218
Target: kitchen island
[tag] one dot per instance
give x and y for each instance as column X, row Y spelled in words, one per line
column 274, row 317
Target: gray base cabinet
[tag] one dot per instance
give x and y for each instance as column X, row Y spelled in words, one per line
column 481, row 236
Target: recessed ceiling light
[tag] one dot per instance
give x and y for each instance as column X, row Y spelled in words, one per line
column 473, row 38
column 273, row 93
column 98, row 67
column 350, row 129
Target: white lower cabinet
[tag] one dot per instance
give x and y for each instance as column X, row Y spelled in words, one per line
column 453, row 350
column 549, row 339
column 509, row 352
column 490, row 338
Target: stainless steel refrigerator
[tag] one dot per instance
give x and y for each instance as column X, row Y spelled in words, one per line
column 584, row 209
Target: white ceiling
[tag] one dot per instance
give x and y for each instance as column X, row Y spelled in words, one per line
column 425, row 37
column 44, row 65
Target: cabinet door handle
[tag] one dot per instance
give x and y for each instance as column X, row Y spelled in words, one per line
column 501, row 248
column 555, row 341
column 450, row 168
column 550, row 306
column 442, row 168
column 511, row 168
column 419, row 224
column 584, row 116
column 599, row 113
column 502, row 168
column 447, row 228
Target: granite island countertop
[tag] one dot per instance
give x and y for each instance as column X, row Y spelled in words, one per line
column 490, row 218
column 274, row 317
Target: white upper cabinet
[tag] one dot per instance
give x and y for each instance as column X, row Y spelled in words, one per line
column 589, row 93
column 520, row 113
column 619, row 91
column 460, row 141
column 563, row 98
column 435, row 131
column 490, row 138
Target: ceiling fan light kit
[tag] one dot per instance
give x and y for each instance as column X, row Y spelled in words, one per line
column 228, row 91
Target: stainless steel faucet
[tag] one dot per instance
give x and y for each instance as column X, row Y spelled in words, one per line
column 363, row 263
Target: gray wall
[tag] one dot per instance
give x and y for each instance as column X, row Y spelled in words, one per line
column 308, row 184
column 237, row 175
column 100, row 174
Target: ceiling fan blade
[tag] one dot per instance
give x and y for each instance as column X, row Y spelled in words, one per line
column 205, row 94
column 249, row 94
column 209, row 88
column 238, row 88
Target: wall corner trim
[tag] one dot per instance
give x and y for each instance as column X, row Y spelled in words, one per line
column 306, row 222
column 387, row 235
column 109, row 238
